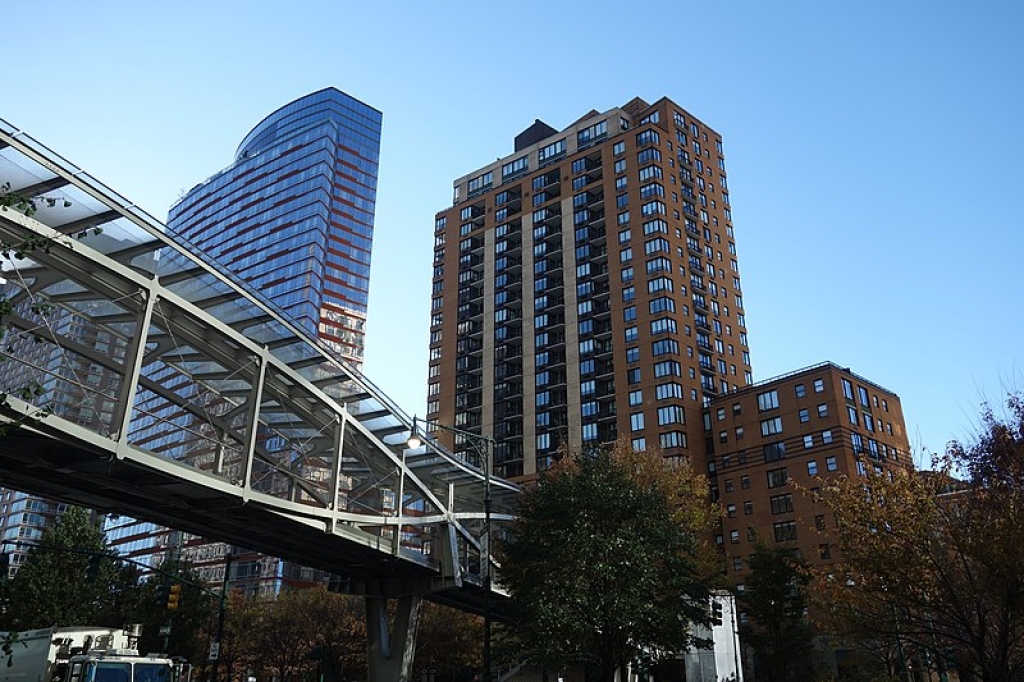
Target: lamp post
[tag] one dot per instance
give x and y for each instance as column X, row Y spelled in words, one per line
column 484, row 447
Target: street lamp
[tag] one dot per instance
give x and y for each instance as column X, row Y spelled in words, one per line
column 484, row 446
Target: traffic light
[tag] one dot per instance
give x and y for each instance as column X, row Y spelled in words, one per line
column 5, row 566
column 92, row 567
column 160, row 595
column 716, row 612
column 173, row 597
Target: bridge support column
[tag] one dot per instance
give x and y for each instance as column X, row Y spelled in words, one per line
column 390, row 650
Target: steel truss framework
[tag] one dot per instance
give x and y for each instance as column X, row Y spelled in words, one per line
column 162, row 389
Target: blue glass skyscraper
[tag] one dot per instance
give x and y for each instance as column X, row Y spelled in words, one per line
column 293, row 214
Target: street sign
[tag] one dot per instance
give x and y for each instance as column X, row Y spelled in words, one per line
column 164, row 630
column 214, row 651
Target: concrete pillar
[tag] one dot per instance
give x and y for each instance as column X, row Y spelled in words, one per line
column 390, row 650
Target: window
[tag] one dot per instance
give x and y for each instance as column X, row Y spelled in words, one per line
column 672, row 439
column 857, row 441
column 819, row 385
column 592, row 134
column 659, row 284
column 730, row 510
column 809, row 441
column 744, row 482
column 804, row 417
column 665, row 347
column 824, row 551
column 664, row 325
column 672, row 414
column 551, row 151
column 734, row 537
column 777, row 477
column 771, row 427
column 748, row 508
column 774, row 451
column 863, row 394
column 516, row 167
column 852, row 413
column 660, row 264
column 785, row 531
column 662, row 304
column 831, row 464
column 826, row 437
column 769, row 400
column 667, row 391
column 822, row 410
column 636, row 421
column 819, row 522
column 800, row 391
column 812, row 467
column 647, row 137
column 636, row 398
column 782, row 504
column 847, row 389
column 667, row 368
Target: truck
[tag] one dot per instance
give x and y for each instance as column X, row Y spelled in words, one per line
column 84, row 654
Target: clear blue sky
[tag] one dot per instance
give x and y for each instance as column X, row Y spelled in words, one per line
column 874, row 149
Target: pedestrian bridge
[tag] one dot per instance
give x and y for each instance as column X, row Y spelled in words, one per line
column 150, row 384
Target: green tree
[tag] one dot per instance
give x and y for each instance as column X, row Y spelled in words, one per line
column 187, row 623
column 775, row 600
column 52, row 586
column 602, row 563
column 942, row 555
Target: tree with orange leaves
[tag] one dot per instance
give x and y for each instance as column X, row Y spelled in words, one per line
column 932, row 561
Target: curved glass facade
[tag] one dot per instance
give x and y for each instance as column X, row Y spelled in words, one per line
column 293, row 215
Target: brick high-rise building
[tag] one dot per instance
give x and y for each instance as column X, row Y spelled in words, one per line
column 586, row 287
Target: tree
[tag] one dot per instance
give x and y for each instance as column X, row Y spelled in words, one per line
column 603, row 562
column 238, row 648
column 941, row 555
column 52, row 586
column 286, row 634
column 186, row 622
column 775, row 600
column 340, row 637
column 448, row 641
